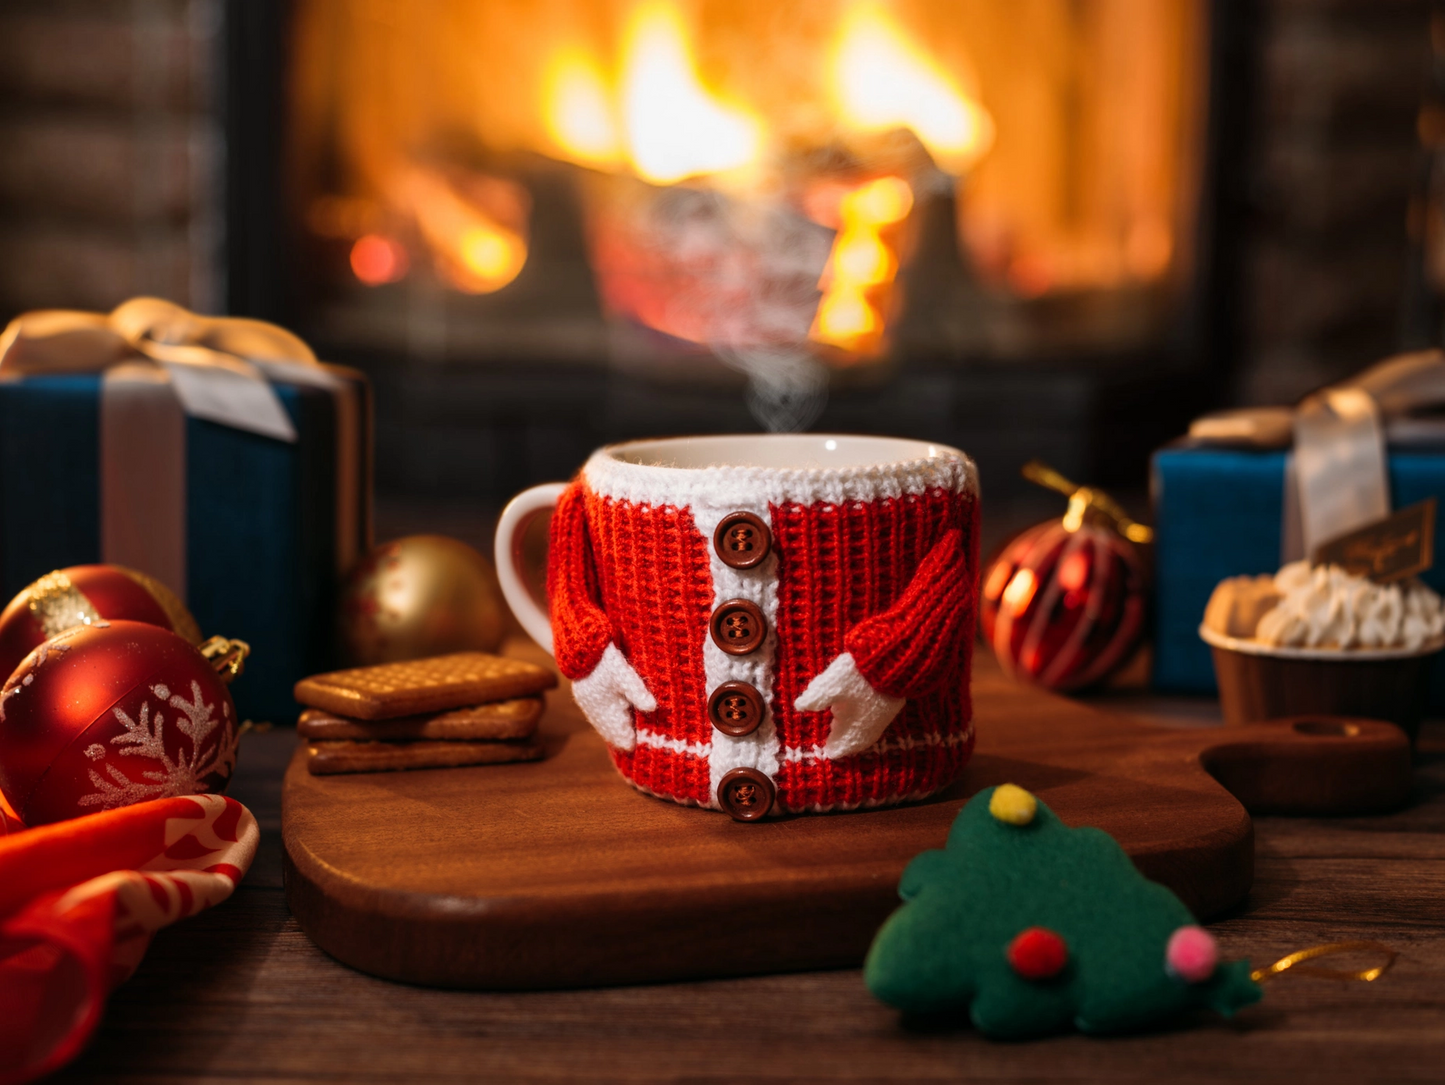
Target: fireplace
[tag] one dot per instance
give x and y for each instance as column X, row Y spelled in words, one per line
column 1046, row 292
column 718, row 216
column 597, row 180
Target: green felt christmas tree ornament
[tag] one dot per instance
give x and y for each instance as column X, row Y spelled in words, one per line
column 1034, row 927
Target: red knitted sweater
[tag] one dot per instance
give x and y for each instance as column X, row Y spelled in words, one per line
column 877, row 562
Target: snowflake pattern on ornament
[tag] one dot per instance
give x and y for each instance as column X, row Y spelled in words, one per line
column 145, row 737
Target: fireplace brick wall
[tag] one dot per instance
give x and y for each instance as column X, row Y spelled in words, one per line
column 112, row 151
column 1332, row 163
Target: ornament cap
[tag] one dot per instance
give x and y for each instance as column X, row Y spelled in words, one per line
column 227, row 656
column 1087, row 504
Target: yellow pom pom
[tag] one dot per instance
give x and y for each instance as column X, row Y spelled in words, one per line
column 1012, row 804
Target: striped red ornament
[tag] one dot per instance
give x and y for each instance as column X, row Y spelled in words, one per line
column 1064, row 608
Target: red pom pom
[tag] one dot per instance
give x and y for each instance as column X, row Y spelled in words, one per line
column 111, row 714
column 1037, row 954
column 1064, row 608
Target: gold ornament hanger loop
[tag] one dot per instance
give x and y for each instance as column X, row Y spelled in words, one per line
column 1085, row 500
column 1296, row 961
column 227, row 656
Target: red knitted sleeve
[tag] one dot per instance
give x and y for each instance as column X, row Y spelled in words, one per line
column 580, row 630
column 913, row 645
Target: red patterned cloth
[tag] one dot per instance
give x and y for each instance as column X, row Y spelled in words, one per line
column 869, row 596
column 79, row 901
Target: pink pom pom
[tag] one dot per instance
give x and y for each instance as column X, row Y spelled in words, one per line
column 1192, row 954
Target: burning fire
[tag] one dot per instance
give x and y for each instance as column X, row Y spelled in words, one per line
column 646, row 112
column 661, row 118
column 474, row 231
column 881, row 81
column 377, row 259
column 675, row 128
column 660, row 122
column 577, row 114
column 828, row 112
column 861, row 266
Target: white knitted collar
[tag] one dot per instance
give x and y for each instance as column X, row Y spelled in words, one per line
column 609, row 475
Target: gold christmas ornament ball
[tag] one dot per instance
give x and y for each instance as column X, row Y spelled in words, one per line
column 423, row 595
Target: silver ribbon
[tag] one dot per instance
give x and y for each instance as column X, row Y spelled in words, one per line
column 160, row 363
column 1336, row 478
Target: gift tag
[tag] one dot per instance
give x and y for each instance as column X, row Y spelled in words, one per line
column 1399, row 546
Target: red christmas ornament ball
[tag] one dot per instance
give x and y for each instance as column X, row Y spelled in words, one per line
column 1064, row 609
column 81, row 595
column 110, row 714
column 1037, row 953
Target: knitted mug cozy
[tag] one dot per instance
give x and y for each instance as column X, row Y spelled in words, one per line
column 772, row 639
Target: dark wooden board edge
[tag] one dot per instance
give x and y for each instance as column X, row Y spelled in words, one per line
column 517, row 948
column 443, row 942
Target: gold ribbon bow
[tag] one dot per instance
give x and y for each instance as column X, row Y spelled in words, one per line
column 159, row 364
column 217, row 366
column 1337, row 479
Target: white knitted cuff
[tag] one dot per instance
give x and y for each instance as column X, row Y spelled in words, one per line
column 747, row 487
column 860, row 713
column 608, row 695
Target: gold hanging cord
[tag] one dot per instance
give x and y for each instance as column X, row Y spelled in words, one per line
column 1296, row 961
column 1085, row 499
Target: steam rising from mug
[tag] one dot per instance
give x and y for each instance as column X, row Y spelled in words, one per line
column 787, row 387
column 740, row 276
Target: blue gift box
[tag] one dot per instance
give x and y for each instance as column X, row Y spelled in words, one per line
column 1218, row 512
column 263, row 538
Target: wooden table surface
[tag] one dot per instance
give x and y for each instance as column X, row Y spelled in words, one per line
column 240, row 993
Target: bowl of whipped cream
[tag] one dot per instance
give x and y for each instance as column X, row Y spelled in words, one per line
column 1321, row 640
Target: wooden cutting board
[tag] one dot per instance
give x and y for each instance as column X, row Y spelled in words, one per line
column 558, row 874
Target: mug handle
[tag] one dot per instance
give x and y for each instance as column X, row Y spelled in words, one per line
column 520, row 512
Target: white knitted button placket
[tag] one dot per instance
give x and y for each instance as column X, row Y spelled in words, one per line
column 758, row 585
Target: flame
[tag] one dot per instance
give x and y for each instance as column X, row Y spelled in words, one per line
column 675, row 128
column 1085, row 188
column 376, row 259
column 860, row 256
column 474, row 249
column 576, row 111
column 861, row 264
column 846, row 318
column 491, row 255
column 660, row 122
column 881, row 80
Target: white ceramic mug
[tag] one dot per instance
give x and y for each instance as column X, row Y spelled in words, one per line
column 766, row 622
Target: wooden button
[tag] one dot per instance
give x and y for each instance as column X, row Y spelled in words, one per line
column 746, row 794
column 742, row 540
column 738, row 627
column 735, row 708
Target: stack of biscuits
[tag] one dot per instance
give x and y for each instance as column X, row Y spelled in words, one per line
column 469, row 708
